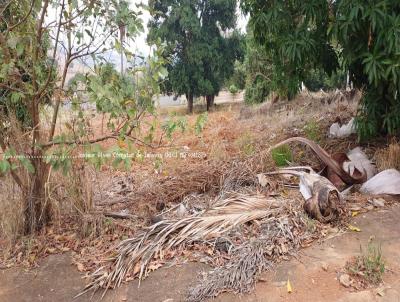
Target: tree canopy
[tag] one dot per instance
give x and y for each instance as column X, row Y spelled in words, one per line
column 301, row 36
column 200, row 45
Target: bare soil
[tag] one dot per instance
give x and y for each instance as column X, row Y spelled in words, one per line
column 313, row 273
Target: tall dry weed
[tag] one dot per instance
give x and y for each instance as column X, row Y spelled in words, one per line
column 389, row 157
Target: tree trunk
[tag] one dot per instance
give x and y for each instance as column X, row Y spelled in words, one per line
column 212, row 100
column 37, row 210
column 189, row 98
column 208, row 101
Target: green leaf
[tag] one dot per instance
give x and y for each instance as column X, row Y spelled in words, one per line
column 4, row 166
column 26, row 163
column 12, row 42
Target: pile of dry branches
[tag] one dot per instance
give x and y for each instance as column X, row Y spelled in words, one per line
column 279, row 236
column 135, row 254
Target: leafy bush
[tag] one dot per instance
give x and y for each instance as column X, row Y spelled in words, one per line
column 318, row 79
column 201, row 122
column 233, row 89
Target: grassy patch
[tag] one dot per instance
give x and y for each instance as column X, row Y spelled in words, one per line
column 282, row 155
column 312, row 131
column 369, row 266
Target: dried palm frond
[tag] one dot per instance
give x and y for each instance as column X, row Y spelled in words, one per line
column 134, row 255
column 238, row 275
column 323, row 200
column 279, row 236
column 334, row 163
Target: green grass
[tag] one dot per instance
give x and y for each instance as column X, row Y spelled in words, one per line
column 369, row 265
column 282, row 155
column 312, row 131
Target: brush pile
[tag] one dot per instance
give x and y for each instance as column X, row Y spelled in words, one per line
column 258, row 229
column 134, row 255
column 279, row 236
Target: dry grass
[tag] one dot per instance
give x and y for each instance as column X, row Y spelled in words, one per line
column 389, row 157
column 234, row 151
column 11, row 210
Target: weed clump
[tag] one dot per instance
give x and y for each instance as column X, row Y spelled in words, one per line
column 312, row 131
column 282, row 155
column 369, row 267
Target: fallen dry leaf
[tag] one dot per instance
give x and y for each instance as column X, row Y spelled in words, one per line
column 345, row 280
column 80, row 267
column 288, row 286
column 354, row 228
column 154, row 266
column 262, row 180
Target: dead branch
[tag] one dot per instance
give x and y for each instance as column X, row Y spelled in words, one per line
column 119, row 215
column 326, row 159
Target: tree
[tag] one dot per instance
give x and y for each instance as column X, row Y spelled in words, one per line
column 258, row 66
column 369, row 35
column 200, row 56
column 238, row 77
column 302, row 36
column 30, row 46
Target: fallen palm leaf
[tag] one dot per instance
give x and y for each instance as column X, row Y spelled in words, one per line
column 238, row 275
column 322, row 199
column 169, row 234
column 279, row 235
column 334, row 163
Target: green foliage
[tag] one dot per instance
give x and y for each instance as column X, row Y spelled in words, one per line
column 293, row 37
column 15, row 67
column 60, row 159
column 258, row 69
column 317, row 79
column 369, row 265
column 312, row 130
column 201, row 122
column 173, row 124
column 370, row 37
column 233, row 89
column 200, row 57
column 238, row 78
column 304, row 39
column 282, row 155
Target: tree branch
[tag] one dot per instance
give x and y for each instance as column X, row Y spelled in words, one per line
column 24, row 18
column 95, row 140
column 14, row 175
column 46, row 84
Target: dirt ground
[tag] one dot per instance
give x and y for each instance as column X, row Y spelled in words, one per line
column 313, row 274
